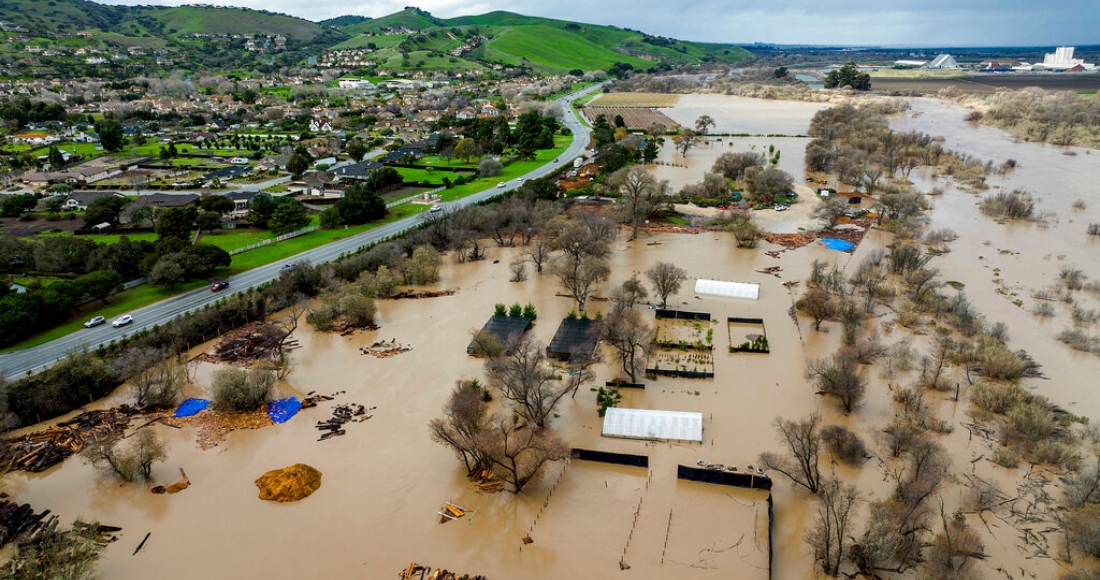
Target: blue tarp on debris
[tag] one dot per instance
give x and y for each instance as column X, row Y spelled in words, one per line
column 282, row 410
column 838, row 244
column 191, row 407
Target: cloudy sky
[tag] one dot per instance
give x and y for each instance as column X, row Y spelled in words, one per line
column 846, row 22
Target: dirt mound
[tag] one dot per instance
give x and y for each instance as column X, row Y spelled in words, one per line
column 289, row 483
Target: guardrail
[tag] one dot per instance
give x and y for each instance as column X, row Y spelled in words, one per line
column 285, row 236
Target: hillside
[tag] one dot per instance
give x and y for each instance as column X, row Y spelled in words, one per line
column 544, row 44
column 346, row 20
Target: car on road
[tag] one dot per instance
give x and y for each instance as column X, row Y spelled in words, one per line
column 219, row 286
column 286, row 266
column 436, row 209
column 122, row 320
column 95, row 321
column 519, row 179
column 782, row 207
column 500, row 185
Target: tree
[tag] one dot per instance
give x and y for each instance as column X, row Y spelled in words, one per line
column 781, row 72
column 627, row 295
column 110, row 134
column 464, row 418
column 519, row 453
column 839, row 376
column 602, row 131
column 734, row 165
column 526, row 380
column 830, row 212
column 360, row 205
column 104, row 210
column 238, row 389
column 848, row 76
column 649, row 154
column 489, row 168
column 801, row 441
column 217, row 203
column 57, row 160
column 685, row 140
column 56, row 555
column 176, row 222
column 625, row 331
column 167, row 272
column 297, row 164
column 703, row 123
column 100, row 283
column 130, row 462
column 208, row 221
column 764, row 185
column 357, row 150
column 829, row 531
column 641, row 193
column 465, row 148
column 817, row 303
column 744, row 229
column 579, row 274
column 955, row 550
column 288, row 216
column 666, row 279
column 205, row 258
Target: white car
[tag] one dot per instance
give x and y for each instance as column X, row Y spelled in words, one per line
column 519, row 179
column 781, row 207
column 500, row 185
column 95, row 321
column 122, row 320
column 436, row 209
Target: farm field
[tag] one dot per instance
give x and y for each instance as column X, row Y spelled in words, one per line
column 634, row 117
column 658, row 100
column 986, row 84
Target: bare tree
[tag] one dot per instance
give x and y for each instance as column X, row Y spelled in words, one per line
column 486, row 343
column 830, row 528
column 893, row 539
column 526, row 380
column 830, row 212
column 744, row 229
column 839, row 376
column 464, row 418
column 666, row 279
column 703, row 123
column 628, row 294
column 630, row 336
column 954, row 550
column 580, row 274
column 538, row 251
column 131, row 462
column 518, row 266
column 802, row 442
column 817, row 303
column 518, row 453
column 685, row 140
column 641, row 193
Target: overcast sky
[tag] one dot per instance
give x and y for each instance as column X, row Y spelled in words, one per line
column 845, row 22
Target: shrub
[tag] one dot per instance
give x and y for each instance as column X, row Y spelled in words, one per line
column 1017, row 205
column 843, row 444
column 515, row 310
column 500, row 310
column 321, row 317
column 1006, row 457
column 241, row 390
column 529, row 311
column 1094, row 229
column 56, row 555
column 998, row 398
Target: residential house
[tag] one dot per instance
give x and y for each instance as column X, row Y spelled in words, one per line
column 356, row 172
column 80, row 200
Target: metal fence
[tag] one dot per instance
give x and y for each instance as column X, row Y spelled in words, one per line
column 285, row 236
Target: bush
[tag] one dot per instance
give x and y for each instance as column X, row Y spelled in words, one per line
column 1094, row 229
column 843, row 444
column 1006, row 457
column 1017, row 205
column 321, row 317
column 515, row 310
column 241, row 390
column 500, row 310
column 56, row 555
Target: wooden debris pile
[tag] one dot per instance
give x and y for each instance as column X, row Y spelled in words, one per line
column 215, row 426
column 311, row 400
column 17, row 519
column 421, row 572
column 383, row 349
column 773, row 270
column 175, row 487
column 486, row 480
column 247, row 344
column 792, row 241
column 450, row 512
column 414, row 295
column 341, row 416
column 41, row 450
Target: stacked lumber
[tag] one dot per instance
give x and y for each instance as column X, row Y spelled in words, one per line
column 414, row 295
column 17, row 519
column 486, row 480
column 341, row 416
column 383, row 349
column 214, row 426
column 248, row 343
column 41, row 450
column 421, row 572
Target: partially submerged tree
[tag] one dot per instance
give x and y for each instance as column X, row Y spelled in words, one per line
column 830, row 212
column 463, row 420
column 801, row 441
column 580, row 274
column 829, row 531
column 525, row 379
column 518, row 453
column 56, row 554
column 241, row 390
column 628, row 334
column 666, row 279
column 642, row 194
column 131, row 461
column 839, row 376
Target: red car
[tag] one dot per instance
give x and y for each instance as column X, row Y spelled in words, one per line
column 218, row 286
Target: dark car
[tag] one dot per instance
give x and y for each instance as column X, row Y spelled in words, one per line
column 219, row 286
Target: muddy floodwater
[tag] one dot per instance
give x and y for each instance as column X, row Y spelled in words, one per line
column 385, row 480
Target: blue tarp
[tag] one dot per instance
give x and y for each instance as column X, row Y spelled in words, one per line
column 838, row 244
column 191, row 407
column 283, row 409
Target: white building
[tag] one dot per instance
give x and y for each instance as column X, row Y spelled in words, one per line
column 359, row 84
column 943, row 61
column 1062, row 59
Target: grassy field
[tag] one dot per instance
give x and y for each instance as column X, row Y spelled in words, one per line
column 121, row 303
column 434, row 177
column 659, row 100
column 510, row 171
column 207, row 19
column 568, row 50
column 917, row 73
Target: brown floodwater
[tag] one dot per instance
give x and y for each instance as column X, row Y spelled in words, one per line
column 385, row 480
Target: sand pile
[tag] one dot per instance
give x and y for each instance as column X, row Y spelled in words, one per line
column 292, row 483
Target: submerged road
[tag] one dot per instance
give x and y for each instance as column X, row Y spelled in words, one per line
column 31, row 360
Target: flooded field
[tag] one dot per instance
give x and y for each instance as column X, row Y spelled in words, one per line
column 385, row 481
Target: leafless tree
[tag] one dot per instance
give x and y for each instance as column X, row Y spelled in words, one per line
column 641, row 193
column 519, row 453
column 817, row 304
column 685, row 140
column 830, row 528
column 464, row 418
column 839, row 376
column 518, row 267
column 538, row 252
column 486, row 344
column 893, row 540
column 526, row 380
column 580, row 274
column 954, row 550
column 130, row 462
column 744, row 229
column 703, row 123
column 626, row 332
column 628, row 294
column 830, row 212
column 802, row 442
column 666, row 279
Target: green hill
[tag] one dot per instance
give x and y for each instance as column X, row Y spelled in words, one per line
column 346, row 20
column 182, row 20
column 409, row 18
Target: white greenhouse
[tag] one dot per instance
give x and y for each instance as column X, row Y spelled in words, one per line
column 646, row 424
column 727, row 289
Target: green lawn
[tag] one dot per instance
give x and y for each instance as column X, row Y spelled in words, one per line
column 434, row 176
column 121, row 303
column 510, row 172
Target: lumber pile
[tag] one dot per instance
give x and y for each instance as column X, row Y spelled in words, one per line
column 422, row 572
column 486, row 480
column 248, row 343
column 214, row 427
column 41, row 450
column 383, row 349
column 341, row 416
column 414, row 295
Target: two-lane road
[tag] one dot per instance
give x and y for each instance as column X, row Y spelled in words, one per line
column 34, row 359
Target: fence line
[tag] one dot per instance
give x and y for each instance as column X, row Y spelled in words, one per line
column 285, row 236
